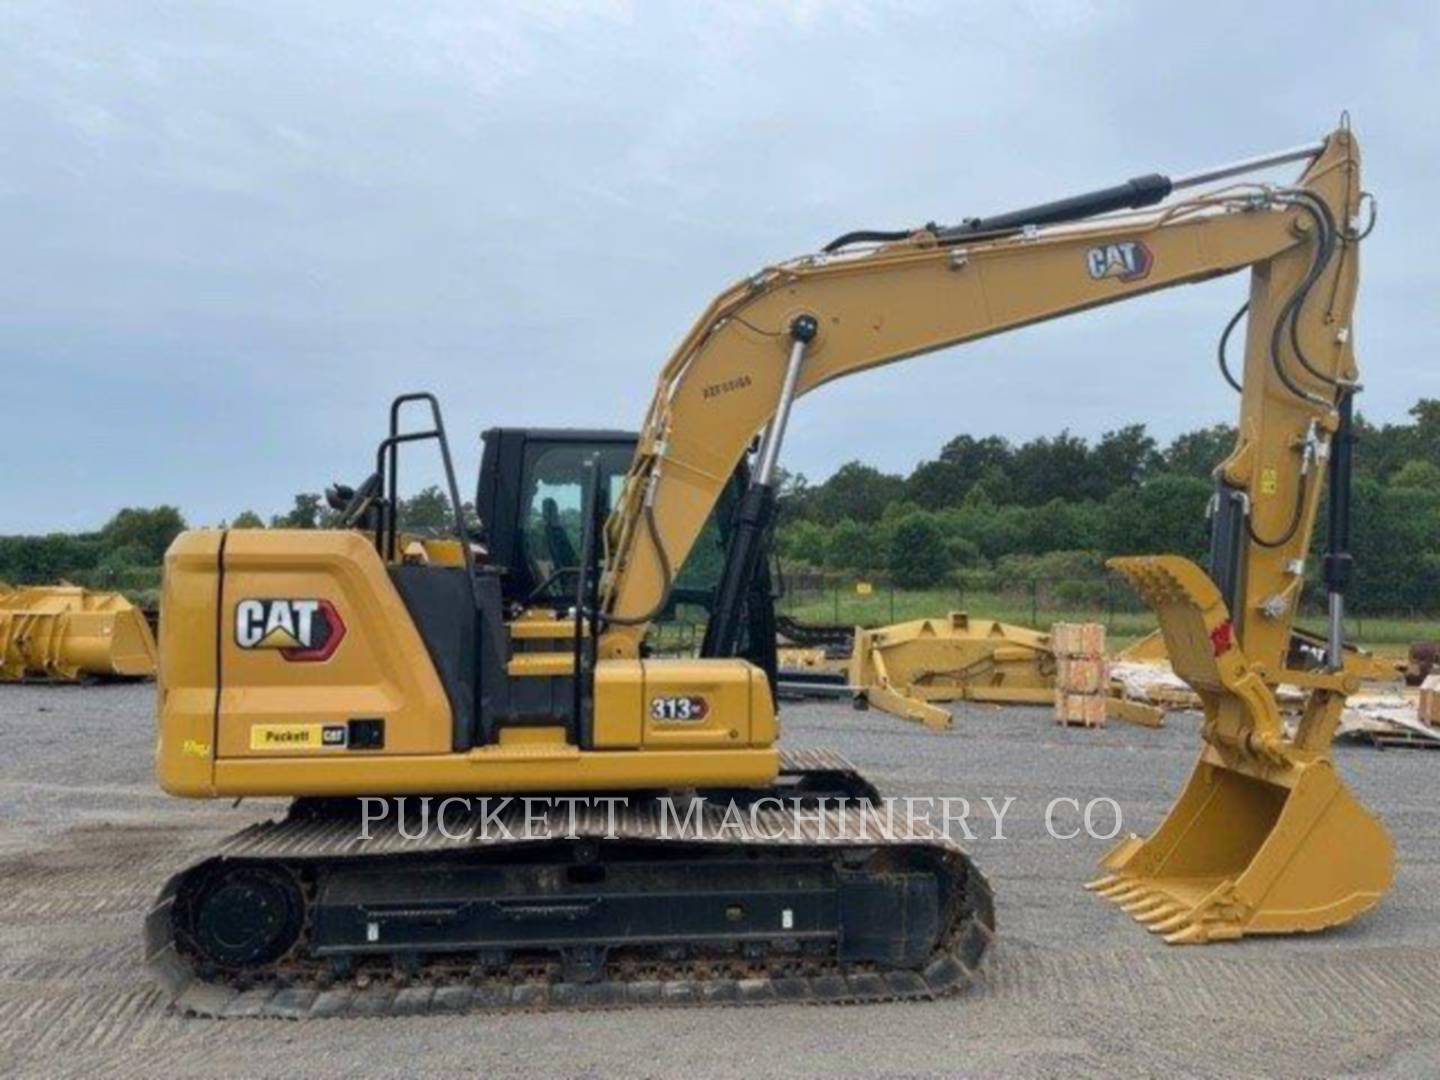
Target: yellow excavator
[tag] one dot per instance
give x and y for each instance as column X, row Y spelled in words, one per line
column 374, row 675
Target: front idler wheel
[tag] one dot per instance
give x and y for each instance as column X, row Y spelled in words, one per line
column 247, row 916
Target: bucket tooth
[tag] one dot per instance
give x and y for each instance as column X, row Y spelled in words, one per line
column 1173, row 923
column 1141, row 908
column 1101, row 882
column 1202, row 931
column 1163, row 913
column 1194, row 934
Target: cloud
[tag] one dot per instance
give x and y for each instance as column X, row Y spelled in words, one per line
column 234, row 231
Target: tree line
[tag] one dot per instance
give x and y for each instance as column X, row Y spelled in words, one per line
column 987, row 513
column 127, row 551
column 983, row 513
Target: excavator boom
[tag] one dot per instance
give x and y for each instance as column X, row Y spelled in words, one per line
column 736, row 371
column 1243, row 850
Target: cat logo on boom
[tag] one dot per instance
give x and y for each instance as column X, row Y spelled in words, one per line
column 1125, row 260
column 300, row 630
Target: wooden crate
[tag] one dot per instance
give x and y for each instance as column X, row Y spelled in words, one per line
column 1429, row 709
column 1078, row 639
column 1080, row 710
column 1081, row 674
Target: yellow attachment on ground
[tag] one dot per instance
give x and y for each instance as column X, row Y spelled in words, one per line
column 1149, row 649
column 808, row 658
column 1265, row 838
column 63, row 632
column 905, row 667
column 1134, row 712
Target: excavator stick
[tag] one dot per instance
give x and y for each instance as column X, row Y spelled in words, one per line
column 1265, row 837
column 65, row 633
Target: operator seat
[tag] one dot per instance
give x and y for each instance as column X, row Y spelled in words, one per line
column 562, row 552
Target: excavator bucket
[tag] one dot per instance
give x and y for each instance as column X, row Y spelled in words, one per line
column 1265, row 837
column 66, row 633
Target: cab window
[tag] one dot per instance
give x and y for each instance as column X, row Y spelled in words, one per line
column 550, row 514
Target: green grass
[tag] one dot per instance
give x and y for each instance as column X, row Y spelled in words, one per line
column 1125, row 623
column 883, row 606
column 1382, row 634
column 1387, row 636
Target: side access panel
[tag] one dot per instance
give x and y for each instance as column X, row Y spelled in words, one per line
column 317, row 656
column 378, row 669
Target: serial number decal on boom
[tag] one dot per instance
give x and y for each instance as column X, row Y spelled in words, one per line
column 300, row 630
column 1128, row 260
column 685, row 708
column 716, row 389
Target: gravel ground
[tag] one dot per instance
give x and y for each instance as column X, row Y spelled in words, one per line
column 1073, row 987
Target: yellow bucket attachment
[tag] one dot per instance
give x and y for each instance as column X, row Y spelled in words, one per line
column 1265, row 838
column 66, row 633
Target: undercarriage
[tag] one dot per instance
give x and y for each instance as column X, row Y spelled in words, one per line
column 806, row 891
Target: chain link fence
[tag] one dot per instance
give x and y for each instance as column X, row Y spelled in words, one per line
column 875, row 600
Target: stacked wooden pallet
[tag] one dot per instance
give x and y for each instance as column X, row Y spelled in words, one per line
column 1429, row 705
column 1082, row 681
column 1390, row 718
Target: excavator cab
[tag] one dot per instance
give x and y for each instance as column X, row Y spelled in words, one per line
column 532, row 487
column 530, row 498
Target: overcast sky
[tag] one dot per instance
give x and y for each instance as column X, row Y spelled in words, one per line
column 233, row 231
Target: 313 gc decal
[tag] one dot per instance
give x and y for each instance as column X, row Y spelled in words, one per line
column 300, row 630
column 690, row 708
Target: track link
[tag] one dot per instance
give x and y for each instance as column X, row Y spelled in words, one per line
column 298, row 985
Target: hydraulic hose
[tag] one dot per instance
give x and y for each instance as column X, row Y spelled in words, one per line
column 1295, row 515
column 1325, row 248
column 1289, row 314
column 1225, row 340
column 868, row 236
column 1355, row 237
column 667, row 577
column 1288, row 322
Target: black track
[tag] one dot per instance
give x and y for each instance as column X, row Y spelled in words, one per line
column 320, row 843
